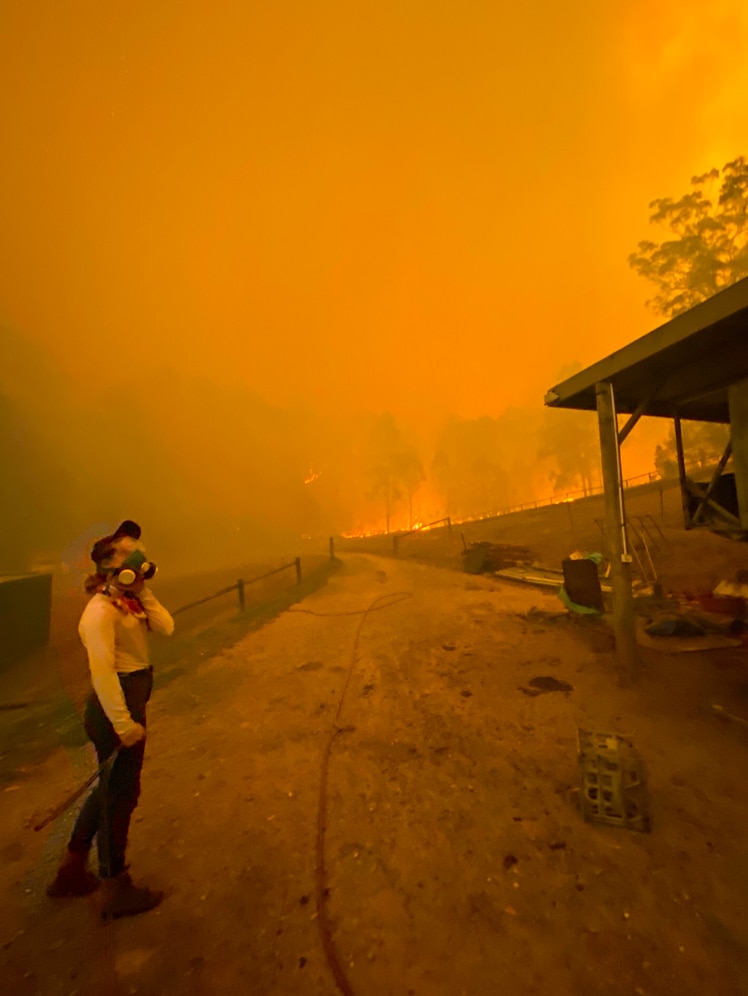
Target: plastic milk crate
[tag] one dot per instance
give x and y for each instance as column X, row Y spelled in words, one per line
column 613, row 782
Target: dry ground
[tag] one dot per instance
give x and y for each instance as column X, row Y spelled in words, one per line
column 456, row 860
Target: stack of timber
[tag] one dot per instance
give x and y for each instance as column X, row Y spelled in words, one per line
column 485, row 556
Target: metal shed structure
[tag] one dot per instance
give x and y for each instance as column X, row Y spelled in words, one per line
column 694, row 367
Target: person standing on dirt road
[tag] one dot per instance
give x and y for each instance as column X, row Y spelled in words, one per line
column 114, row 629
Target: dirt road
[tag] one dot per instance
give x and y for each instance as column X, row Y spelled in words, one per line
column 455, row 859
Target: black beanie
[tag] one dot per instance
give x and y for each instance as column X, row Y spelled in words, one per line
column 127, row 528
column 104, row 548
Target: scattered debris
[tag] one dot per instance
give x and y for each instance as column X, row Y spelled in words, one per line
column 682, row 644
column 727, row 599
column 536, row 615
column 309, row 666
column 613, row 782
column 543, row 577
column 693, row 623
column 485, row 556
column 673, row 625
column 546, row 683
column 729, row 715
column 545, row 661
column 732, row 589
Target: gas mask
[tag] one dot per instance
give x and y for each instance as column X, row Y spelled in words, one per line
column 136, row 568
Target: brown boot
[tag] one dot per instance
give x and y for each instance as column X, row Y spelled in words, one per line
column 121, row 898
column 73, row 877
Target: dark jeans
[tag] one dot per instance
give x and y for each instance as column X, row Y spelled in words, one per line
column 108, row 809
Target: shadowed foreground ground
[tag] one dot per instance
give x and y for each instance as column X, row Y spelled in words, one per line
column 456, row 860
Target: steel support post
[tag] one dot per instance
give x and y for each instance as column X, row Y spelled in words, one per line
column 620, row 558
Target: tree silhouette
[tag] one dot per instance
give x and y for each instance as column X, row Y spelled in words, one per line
column 393, row 465
column 703, row 445
column 468, row 467
column 409, row 470
column 708, row 247
column 570, row 440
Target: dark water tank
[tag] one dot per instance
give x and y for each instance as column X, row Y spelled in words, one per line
column 25, row 610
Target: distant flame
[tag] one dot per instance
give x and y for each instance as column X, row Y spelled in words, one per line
column 311, row 475
column 381, row 530
column 364, row 532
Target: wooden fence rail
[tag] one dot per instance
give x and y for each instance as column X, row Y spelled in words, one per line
column 238, row 586
column 396, row 537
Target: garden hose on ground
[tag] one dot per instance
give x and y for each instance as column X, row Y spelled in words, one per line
column 103, row 770
column 382, row 602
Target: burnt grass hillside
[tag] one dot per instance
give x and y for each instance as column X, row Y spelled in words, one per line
column 686, row 561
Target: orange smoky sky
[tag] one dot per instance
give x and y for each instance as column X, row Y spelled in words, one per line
column 377, row 205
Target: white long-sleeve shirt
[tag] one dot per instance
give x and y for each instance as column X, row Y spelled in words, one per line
column 117, row 643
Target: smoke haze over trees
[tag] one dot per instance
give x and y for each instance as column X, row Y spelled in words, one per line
column 219, row 476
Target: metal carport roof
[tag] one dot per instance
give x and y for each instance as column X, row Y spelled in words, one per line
column 685, row 365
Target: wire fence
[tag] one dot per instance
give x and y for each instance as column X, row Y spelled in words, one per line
column 239, row 586
column 555, row 499
column 568, row 496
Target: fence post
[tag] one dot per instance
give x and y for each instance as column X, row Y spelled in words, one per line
column 449, row 525
column 662, row 504
column 332, row 549
column 298, row 570
column 240, row 589
column 395, row 544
